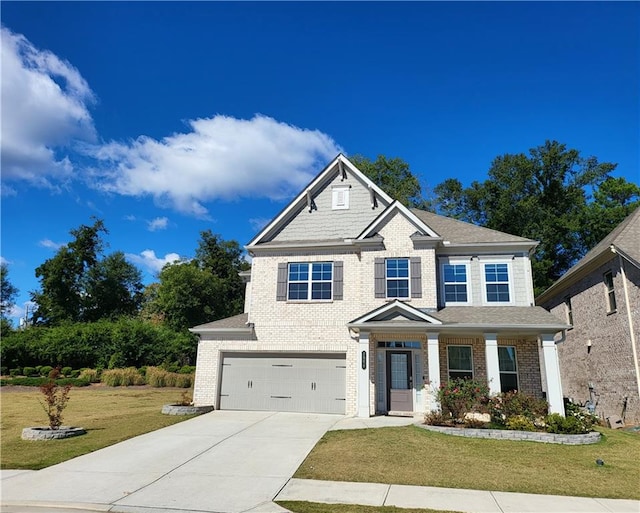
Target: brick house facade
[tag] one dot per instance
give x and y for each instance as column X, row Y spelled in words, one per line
column 600, row 298
column 357, row 305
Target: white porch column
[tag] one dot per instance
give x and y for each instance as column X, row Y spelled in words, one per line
column 433, row 355
column 552, row 374
column 363, row 362
column 493, row 363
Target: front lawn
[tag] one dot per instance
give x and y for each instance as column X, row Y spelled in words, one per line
column 109, row 415
column 414, row 456
column 314, row 507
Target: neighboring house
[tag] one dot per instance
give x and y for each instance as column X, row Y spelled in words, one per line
column 357, row 305
column 600, row 298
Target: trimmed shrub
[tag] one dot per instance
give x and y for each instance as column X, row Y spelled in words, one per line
column 90, row 375
column 15, row 372
column 30, row 372
column 45, row 370
column 36, row 382
column 520, row 423
column 187, row 369
column 66, row 371
column 506, row 406
column 74, row 373
column 458, row 397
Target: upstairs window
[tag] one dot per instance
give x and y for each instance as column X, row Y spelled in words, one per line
column 310, row 281
column 508, row 368
column 611, row 293
column 397, row 273
column 455, row 283
column 460, row 362
column 496, row 277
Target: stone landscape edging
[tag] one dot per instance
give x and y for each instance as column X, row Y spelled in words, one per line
column 178, row 409
column 46, row 433
column 508, row 434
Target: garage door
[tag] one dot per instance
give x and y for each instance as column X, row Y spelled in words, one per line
column 283, row 382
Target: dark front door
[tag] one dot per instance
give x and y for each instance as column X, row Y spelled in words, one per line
column 399, row 381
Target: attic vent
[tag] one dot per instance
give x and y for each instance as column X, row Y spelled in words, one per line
column 340, row 197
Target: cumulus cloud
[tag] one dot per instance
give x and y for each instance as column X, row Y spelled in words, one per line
column 159, row 223
column 45, row 104
column 48, row 243
column 219, row 158
column 150, row 261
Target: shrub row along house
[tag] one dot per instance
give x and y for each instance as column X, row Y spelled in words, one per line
column 357, row 305
column 600, row 298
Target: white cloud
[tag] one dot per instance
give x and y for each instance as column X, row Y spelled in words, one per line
column 258, row 223
column 159, row 223
column 220, row 158
column 4, row 261
column 150, row 261
column 48, row 243
column 44, row 110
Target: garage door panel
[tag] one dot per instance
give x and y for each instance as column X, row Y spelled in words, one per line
column 280, row 382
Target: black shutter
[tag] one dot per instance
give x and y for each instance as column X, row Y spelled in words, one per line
column 379, row 278
column 338, row 277
column 416, row 277
column 281, row 291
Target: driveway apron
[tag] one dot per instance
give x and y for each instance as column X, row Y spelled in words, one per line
column 219, row 462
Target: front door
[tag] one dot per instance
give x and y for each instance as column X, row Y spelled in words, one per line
column 399, row 381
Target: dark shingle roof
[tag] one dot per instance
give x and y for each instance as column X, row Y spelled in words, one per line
column 235, row 322
column 459, row 232
column 498, row 315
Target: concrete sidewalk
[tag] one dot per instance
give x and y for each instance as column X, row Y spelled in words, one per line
column 448, row 499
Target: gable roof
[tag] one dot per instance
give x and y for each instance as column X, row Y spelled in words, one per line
column 396, row 206
column 236, row 323
column 459, row 232
column 334, row 167
column 624, row 239
column 395, row 311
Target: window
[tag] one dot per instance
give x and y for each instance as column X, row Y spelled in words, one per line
column 508, row 368
column 460, row 362
column 310, row 281
column 400, row 345
column 569, row 309
column 611, row 293
column 496, row 277
column 397, row 274
column 455, row 283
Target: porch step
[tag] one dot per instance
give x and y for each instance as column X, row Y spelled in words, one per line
column 400, row 414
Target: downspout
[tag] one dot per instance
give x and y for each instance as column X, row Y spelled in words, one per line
column 630, row 318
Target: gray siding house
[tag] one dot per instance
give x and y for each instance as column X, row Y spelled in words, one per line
column 600, row 298
column 357, row 305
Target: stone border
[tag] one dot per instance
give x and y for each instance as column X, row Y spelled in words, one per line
column 508, row 434
column 177, row 409
column 46, row 433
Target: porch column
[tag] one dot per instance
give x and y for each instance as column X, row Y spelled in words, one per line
column 433, row 356
column 552, row 374
column 493, row 363
column 363, row 362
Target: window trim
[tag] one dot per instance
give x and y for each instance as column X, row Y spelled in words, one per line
column 509, row 283
column 387, row 279
column 459, row 370
column 336, row 191
column 569, row 311
column 443, row 283
column 610, row 292
column 515, row 354
column 310, row 281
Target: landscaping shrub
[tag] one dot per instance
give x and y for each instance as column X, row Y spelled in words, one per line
column 155, row 377
column 15, row 372
column 45, row 370
column 458, row 397
column 74, row 373
column 159, row 377
column 436, row 418
column 66, row 371
column 520, row 423
column 90, row 375
column 577, row 421
column 36, row 382
column 111, row 377
column 506, row 406
column 30, row 372
column 187, row 369
column 4, row 371
column 184, row 380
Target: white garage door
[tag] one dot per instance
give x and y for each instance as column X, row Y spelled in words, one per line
column 283, row 382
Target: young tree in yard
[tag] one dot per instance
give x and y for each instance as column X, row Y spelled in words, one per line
column 77, row 284
column 8, row 295
column 394, row 177
column 544, row 196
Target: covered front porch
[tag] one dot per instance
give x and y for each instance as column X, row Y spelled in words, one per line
column 406, row 353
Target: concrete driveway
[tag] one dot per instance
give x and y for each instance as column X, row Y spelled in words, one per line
column 223, row 462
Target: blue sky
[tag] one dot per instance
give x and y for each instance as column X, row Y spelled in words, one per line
column 165, row 119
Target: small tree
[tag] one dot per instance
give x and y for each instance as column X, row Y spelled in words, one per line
column 55, row 399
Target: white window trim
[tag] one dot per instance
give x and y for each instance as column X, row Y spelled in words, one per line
column 310, row 283
column 485, row 301
column 516, row 372
column 408, row 278
column 443, row 296
column 458, row 370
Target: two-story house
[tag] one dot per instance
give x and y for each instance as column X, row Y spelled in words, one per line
column 357, row 305
column 600, row 297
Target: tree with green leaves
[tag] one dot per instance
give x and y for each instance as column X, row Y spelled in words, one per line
column 544, row 196
column 8, row 295
column 80, row 284
column 204, row 289
column 394, row 177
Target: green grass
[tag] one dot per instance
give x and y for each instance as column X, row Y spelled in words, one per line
column 314, row 507
column 109, row 415
column 414, row 456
